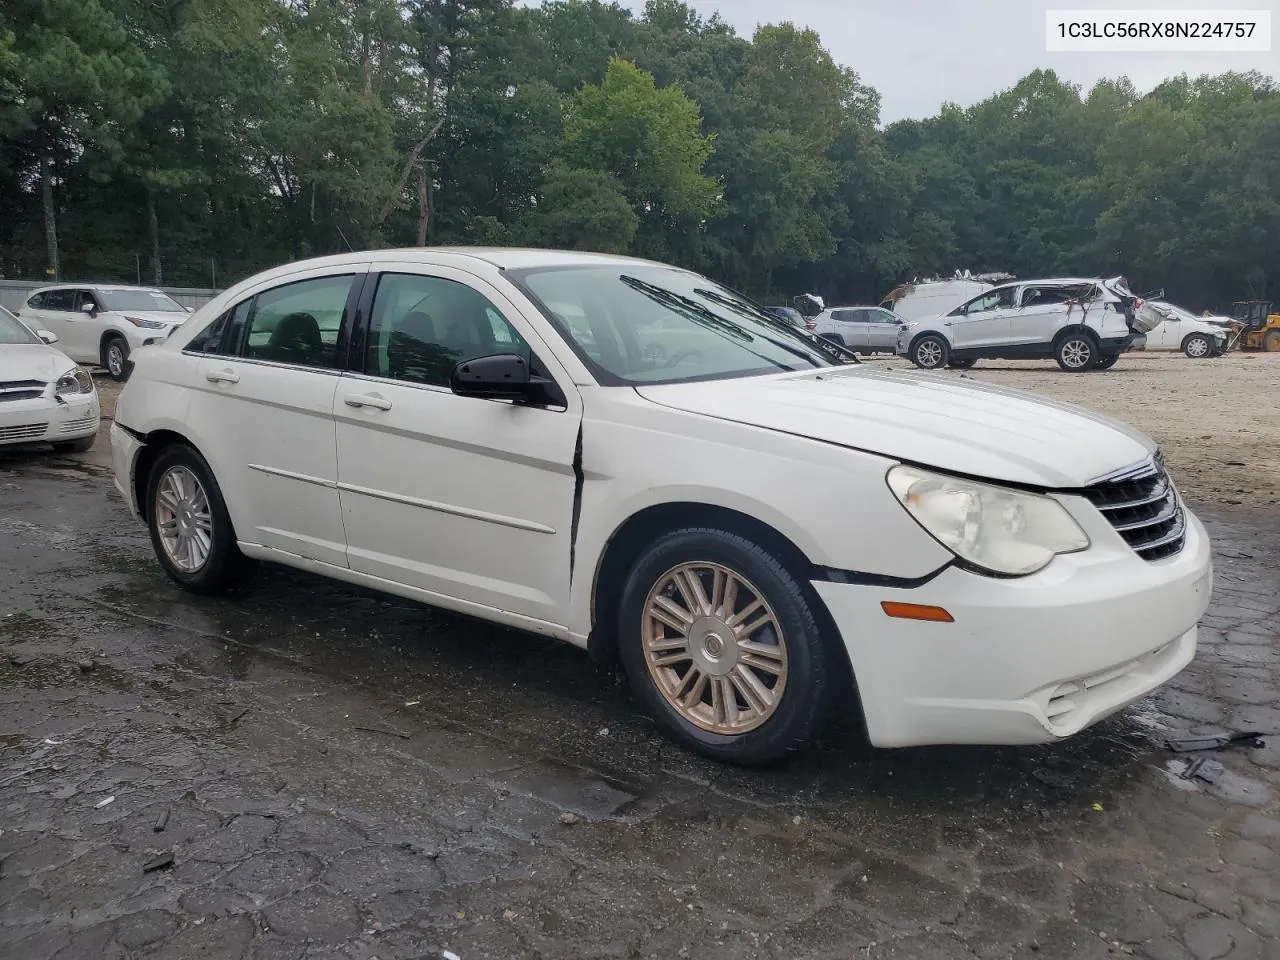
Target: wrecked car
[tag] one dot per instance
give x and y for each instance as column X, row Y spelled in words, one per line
column 762, row 535
column 1083, row 324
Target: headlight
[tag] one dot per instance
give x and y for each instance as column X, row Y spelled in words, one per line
column 74, row 382
column 146, row 324
column 995, row 529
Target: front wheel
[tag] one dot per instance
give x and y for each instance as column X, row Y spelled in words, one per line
column 1076, row 352
column 115, row 357
column 720, row 642
column 1197, row 346
column 191, row 530
column 930, row 352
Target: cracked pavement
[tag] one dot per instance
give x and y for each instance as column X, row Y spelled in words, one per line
column 313, row 771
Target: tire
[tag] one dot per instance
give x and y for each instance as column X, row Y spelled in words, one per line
column 1076, row 352
column 1197, row 346
column 930, row 352
column 1271, row 343
column 810, row 669
column 224, row 567
column 79, row 445
column 1106, row 361
column 115, row 357
column 961, row 364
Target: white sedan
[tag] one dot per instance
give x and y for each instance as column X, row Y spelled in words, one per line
column 44, row 396
column 763, row 534
column 1180, row 329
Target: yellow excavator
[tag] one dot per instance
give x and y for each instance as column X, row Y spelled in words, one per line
column 1254, row 326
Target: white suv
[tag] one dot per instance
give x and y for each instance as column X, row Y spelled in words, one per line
column 862, row 329
column 102, row 325
column 764, row 536
column 1084, row 324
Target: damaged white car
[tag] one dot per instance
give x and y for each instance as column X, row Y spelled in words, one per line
column 1083, row 324
column 1177, row 328
column 763, row 535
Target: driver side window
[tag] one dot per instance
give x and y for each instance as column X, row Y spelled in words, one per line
column 422, row 327
column 994, row 300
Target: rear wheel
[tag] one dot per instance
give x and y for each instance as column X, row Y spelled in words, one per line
column 720, row 642
column 1197, row 346
column 930, row 352
column 191, row 530
column 1106, row 361
column 115, row 357
column 1076, row 352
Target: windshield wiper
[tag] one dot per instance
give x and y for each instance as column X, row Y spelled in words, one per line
column 749, row 309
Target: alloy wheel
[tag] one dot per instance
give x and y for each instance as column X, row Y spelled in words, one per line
column 714, row 648
column 115, row 360
column 1197, row 347
column 929, row 354
column 184, row 519
column 1076, row 354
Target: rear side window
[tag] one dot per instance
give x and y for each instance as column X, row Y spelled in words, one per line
column 60, row 300
column 298, row 323
column 37, row 301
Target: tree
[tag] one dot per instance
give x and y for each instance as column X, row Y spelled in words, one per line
column 581, row 210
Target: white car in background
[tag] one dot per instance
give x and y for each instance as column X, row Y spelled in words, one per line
column 862, row 329
column 103, row 325
column 1082, row 323
column 44, row 396
column 763, row 535
column 1180, row 329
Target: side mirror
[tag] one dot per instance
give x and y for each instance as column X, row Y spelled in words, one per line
column 46, row 336
column 502, row 375
column 89, row 308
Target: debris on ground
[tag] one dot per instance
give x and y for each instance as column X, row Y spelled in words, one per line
column 1219, row 742
column 569, row 819
column 105, row 801
column 162, row 862
column 162, row 821
column 387, row 731
column 1202, row 768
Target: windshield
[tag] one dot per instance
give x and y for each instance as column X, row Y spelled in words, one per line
column 640, row 324
column 12, row 330
column 151, row 301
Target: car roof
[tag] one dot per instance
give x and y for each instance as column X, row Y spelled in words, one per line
column 102, row 287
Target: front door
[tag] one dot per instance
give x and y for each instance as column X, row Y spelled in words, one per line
column 262, row 411
column 883, row 329
column 467, row 499
column 852, row 327
column 983, row 322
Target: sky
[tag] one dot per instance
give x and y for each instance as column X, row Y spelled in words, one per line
column 920, row 54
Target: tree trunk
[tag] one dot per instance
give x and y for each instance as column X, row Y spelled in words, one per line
column 153, row 231
column 54, row 268
column 424, row 206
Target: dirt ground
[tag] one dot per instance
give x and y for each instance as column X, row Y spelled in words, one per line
column 1217, row 420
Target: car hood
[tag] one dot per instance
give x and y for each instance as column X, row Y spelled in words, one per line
column 952, row 424
column 161, row 316
column 32, row 361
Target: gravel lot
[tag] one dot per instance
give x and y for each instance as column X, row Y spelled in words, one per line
column 1218, row 420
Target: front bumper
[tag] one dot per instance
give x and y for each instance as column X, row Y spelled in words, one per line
column 1027, row 660
column 125, row 448
column 45, row 419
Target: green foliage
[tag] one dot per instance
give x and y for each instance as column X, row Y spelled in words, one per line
column 220, row 137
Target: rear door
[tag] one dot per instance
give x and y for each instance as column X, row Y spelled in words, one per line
column 883, row 329
column 852, row 327
column 1041, row 313
column 57, row 315
column 262, row 408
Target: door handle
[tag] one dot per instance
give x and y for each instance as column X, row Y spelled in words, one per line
column 222, row 376
column 367, row 400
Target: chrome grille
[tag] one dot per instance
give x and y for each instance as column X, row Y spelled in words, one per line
column 26, row 431
column 71, row 426
column 21, row 389
column 1143, row 507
